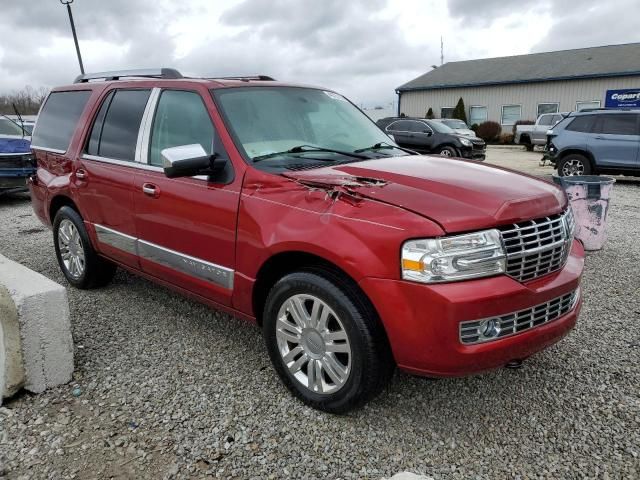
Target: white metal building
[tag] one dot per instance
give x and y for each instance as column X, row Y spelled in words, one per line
column 521, row 87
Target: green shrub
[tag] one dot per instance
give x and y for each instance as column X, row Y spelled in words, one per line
column 489, row 131
column 429, row 114
column 459, row 111
column 474, row 127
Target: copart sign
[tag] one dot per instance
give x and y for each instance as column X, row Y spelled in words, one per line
column 622, row 98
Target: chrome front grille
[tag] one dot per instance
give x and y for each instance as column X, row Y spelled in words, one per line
column 535, row 248
column 494, row 328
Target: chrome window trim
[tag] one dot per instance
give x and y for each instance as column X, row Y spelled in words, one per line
column 192, row 266
column 144, row 133
column 46, row 149
column 123, row 163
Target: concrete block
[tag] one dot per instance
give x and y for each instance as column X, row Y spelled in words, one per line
column 36, row 347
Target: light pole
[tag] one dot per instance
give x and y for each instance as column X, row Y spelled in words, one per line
column 73, row 30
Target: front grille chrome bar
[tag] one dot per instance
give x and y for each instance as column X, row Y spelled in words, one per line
column 496, row 328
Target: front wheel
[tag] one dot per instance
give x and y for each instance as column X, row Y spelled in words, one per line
column 574, row 164
column 324, row 341
column 448, row 152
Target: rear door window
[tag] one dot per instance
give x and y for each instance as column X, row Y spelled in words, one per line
column 58, row 119
column 617, row 124
column 115, row 130
column 400, row 126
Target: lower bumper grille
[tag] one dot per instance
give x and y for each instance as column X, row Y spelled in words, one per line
column 495, row 328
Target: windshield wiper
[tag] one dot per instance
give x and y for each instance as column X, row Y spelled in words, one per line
column 384, row 145
column 310, row 148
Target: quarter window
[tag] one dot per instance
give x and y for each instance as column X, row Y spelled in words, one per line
column 181, row 119
column 511, row 114
column 58, row 119
column 115, row 130
column 477, row 115
column 583, row 123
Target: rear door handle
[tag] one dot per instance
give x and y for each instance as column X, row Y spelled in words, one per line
column 151, row 190
column 81, row 174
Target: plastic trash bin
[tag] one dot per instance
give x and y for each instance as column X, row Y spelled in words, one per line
column 589, row 199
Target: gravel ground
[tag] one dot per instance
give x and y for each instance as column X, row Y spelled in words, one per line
column 165, row 387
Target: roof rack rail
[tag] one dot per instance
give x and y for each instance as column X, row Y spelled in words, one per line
column 141, row 73
column 264, row 78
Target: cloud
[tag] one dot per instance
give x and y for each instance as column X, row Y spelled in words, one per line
column 362, row 48
column 483, row 13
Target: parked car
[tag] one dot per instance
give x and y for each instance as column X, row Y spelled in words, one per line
column 286, row 206
column 458, row 126
column 536, row 134
column 428, row 136
column 16, row 161
column 596, row 141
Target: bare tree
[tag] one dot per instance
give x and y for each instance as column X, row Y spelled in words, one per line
column 27, row 100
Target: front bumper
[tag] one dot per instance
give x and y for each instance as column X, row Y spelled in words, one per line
column 475, row 153
column 423, row 321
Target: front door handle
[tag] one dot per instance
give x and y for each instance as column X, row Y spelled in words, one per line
column 81, row 174
column 151, row 190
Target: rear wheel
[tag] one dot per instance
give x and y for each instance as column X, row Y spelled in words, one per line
column 79, row 262
column 448, row 152
column 325, row 342
column 574, row 164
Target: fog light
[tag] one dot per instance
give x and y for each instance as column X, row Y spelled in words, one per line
column 489, row 329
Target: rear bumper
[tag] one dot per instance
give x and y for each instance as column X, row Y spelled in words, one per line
column 422, row 321
column 14, row 179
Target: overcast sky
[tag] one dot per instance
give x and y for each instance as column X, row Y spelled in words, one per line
column 362, row 48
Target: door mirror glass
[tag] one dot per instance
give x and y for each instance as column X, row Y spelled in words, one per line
column 186, row 161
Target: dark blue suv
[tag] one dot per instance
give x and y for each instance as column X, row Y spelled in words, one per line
column 596, row 141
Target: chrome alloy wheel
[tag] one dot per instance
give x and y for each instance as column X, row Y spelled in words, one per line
column 71, row 250
column 446, row 153
column 573, row 167
column 313, row 344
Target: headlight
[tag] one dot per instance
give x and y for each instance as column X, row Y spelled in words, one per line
column 447, row 259
column 465, row 142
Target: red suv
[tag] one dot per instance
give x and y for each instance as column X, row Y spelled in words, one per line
column 285, row 205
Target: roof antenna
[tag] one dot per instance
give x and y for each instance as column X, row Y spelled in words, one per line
column 441, row 51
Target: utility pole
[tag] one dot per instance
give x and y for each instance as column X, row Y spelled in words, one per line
column 73, row 30
column 441, row 51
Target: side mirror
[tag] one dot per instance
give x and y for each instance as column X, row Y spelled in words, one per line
column 428, row 132
column 189, row 160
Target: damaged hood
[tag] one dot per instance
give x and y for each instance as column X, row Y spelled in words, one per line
column 458, row 195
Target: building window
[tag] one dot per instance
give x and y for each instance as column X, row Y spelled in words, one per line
column 548, row 108
column 511, row 114
column 446, row 112
column 591, row 104
column 477, row 115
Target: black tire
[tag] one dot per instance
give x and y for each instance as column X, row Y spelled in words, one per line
column 529, row 147
column 371, row 362
column 574, row 164
column 448, row 151
column 96, row 271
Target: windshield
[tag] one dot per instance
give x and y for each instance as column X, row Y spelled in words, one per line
column 7, row 127
column 267, row 121
column 439, row 127
column 456, row 124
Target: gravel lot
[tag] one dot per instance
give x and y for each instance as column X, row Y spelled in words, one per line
column 165, row 387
